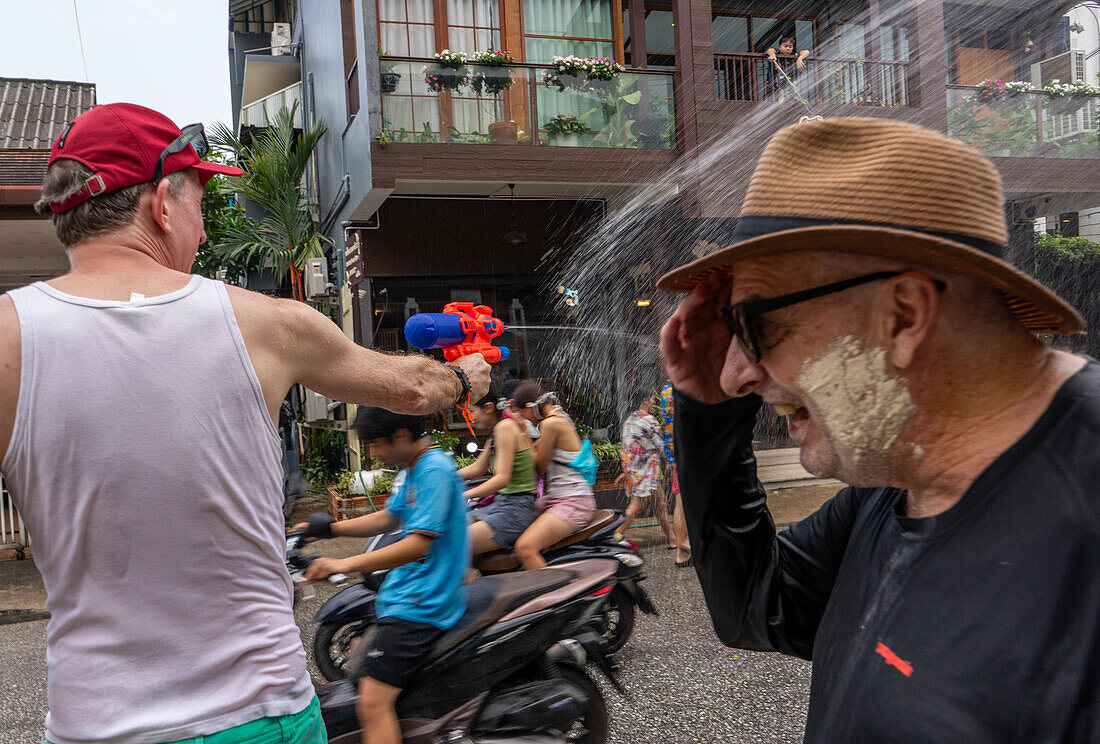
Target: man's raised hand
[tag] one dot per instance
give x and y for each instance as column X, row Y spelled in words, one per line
column 694, row 342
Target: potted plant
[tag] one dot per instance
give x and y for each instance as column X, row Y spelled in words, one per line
column 390, row 78
column 504, row 133
column 567, row 128
column 493, row 76
column 448, row 73
column 1066, row 98
column 609, row 457
column 582, row 73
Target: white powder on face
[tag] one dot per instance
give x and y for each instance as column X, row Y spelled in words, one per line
column 862, row 407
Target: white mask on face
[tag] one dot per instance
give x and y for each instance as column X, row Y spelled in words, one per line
column 861, row 406
column 532, row 430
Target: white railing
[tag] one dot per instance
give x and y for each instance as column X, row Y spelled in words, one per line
column 13, row 533
column 260, row 113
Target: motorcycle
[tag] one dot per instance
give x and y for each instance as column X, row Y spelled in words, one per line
column 512, row 671
column 349, row 613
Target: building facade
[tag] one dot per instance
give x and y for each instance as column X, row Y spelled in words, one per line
column 490, row 182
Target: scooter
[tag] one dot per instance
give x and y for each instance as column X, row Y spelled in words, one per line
column 512, row 671
column 349, row 613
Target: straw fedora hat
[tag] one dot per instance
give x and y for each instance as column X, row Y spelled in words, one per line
column 881, row 188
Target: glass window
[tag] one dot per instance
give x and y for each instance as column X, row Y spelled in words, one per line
column 973, row 38
column 474, row 26
column 997, row 38
column 804, row 36
column 406, row 28
column 392, row 10
column 659, row 32
column 851, row 41
column 586, row 19
column 564, row 27
column 730, row 34
column 765, row 33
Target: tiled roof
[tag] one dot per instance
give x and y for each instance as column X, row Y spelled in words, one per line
column 23, row 167
column 33, row 112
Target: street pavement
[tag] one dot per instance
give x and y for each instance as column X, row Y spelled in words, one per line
column 684, row 686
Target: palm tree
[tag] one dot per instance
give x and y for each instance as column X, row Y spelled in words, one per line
column 274, row 163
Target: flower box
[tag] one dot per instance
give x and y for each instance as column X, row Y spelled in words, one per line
column 342, row 506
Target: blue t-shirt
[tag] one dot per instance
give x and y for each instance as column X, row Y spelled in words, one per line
column 429, row 500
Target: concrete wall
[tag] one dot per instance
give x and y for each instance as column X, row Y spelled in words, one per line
column 239, row 44
column 343, row 155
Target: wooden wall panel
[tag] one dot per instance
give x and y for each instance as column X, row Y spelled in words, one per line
column 455, row 237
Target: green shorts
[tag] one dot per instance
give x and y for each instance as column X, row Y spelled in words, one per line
column 304, row 727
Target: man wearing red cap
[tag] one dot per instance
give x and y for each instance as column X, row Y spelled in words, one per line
column 137, row 425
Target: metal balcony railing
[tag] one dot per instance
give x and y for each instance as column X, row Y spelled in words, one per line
column 1030, row 124
column 260, row 113
column 753, row 77
column 524, row 104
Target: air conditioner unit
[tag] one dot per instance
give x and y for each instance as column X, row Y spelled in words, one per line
column 280, row 39
column 1067, row 67
column 316, row 278
column 317, row 407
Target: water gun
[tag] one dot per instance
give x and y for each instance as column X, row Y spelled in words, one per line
column 463, row 328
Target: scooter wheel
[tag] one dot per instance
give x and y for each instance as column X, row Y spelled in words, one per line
column 591, row 728
column 617, row 618
column 332, row 648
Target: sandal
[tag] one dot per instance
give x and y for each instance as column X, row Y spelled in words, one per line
column 684, row 563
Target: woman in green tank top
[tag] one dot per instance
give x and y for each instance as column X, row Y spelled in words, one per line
column 508, row 450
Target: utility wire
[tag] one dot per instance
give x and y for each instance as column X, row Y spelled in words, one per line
column 81, row 37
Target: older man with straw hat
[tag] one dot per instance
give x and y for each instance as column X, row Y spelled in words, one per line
column 952, row 592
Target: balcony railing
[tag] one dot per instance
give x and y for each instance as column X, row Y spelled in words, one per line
column 261, row 112
column 524, row 104
column 753, row 77
column 1030, row 125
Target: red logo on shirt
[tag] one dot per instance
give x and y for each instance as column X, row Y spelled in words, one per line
column 894, row 660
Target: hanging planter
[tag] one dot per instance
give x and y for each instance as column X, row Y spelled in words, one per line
column 1066, row 105
column 492, row 76
column 390, row 80
column 447, row 74
column 583, row 73
column 992, row 90
column 1067, row 98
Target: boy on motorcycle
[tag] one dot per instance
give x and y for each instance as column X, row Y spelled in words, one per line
column 423, row 595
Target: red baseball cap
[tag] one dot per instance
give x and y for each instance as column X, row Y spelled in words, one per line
column 121, row 143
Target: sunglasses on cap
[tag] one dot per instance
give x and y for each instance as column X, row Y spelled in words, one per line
column 741, row 319
column 192, row 134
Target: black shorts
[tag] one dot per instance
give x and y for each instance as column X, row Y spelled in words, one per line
column 397, row 651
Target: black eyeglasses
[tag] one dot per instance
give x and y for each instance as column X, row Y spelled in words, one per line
column 192, row 134
column 741, row 321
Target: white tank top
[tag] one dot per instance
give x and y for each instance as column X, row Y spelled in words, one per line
column 561, row 479
column 147, row 468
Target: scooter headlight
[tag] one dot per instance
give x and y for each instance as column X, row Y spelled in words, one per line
column 630, row 560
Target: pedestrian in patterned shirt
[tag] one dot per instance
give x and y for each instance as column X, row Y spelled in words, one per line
column 666, row 415
column 642, row 456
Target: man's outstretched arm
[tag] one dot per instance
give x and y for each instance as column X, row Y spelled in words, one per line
column 291, row 342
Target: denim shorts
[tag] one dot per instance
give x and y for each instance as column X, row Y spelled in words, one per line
column 509, row 515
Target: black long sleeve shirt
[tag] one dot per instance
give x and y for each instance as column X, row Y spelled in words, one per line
column 981, row 624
